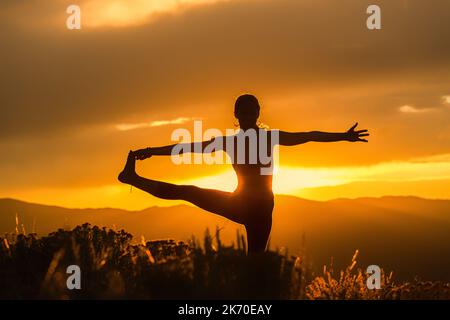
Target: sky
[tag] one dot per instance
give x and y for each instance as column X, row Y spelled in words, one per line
column 73, row 102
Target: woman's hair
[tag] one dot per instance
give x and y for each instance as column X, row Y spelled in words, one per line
column 246, row 101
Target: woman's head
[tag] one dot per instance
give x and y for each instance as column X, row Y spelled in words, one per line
column 246, row 110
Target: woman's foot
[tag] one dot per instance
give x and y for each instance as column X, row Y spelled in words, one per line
column 128, row 173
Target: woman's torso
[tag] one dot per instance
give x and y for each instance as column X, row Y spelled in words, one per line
column 252, row 161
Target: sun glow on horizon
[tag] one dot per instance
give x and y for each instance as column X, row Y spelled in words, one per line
column 304, row 182
column 290, row 180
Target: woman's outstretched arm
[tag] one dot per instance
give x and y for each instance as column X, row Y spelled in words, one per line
column 194, row 147
column 295, row 138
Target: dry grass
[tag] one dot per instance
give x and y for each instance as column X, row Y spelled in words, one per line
column 113, row 267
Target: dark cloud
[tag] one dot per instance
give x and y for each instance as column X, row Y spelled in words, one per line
column 313, row 64
column 53, row 79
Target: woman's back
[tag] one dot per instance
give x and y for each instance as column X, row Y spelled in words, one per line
column 251, row 156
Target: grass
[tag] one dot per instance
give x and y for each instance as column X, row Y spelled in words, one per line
column 115, row 267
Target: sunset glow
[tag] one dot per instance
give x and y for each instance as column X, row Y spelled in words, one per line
column 296, row 181
column 137, row 70
column 251, row 150
column 120, row 13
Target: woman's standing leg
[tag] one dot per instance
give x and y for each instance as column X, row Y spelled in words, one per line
column 258, row 234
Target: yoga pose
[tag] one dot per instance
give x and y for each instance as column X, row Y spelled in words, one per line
column 252, row 202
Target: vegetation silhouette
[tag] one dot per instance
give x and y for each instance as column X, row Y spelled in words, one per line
column 116, row 267
column 251, row 204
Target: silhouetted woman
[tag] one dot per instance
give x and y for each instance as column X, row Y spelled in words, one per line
column 252, row 202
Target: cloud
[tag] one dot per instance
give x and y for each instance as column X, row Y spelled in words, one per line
column 54, row 80
column 157, row 123
column 411, row 109
column 101, row 13
column 313, row 65
column 446, row 99
column 445, row 157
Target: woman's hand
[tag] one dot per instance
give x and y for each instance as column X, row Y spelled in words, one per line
column 143, row 154
column 357, row 135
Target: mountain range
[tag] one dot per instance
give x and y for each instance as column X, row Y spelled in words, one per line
column 407, row 235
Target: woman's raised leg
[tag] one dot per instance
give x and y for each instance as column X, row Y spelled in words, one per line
column 215, row 201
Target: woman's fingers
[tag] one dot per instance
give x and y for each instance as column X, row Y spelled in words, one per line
column 364, row 135
column 142, row 154
column 354, row 126
column 137, row 154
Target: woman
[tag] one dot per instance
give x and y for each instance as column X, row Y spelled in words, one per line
column 252, row 202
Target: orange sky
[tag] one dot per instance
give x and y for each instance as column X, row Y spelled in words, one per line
column 74, row 102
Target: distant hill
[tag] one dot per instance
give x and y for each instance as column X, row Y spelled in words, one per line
column 406, row 234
